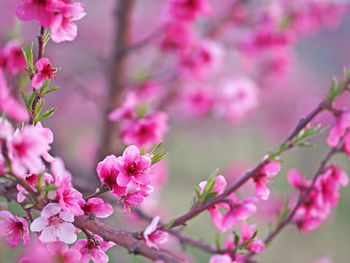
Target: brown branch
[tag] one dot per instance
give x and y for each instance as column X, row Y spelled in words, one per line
column 116, row 75
column 125, row 239
column 41, row 43
column 204, row 206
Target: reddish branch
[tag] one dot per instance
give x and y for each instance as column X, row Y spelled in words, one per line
column 250, row 174
column 116, row 75
column 125, row 239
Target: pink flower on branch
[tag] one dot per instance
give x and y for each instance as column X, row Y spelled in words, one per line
column 154, row 237
column 133, row 167
column 341, row 130
column 41, row 10
column 13, row 58
column 108, row 171
column 68, row 197
column 93, row 249
column 55, row 224
column 270, row 170
column 44, row 72
column 15, row 228
column 96, row 206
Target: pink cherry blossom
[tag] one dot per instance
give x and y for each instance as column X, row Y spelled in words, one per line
column 36, row 9
column 236, row 98
column 6, row 129
column 62, row 252
column 68, row 197
column 108, row 171
column 133, row 166
column 247, row 232
column 270, row 170
column 26, row 147
column 220, row 259
column 177, row 36
column 154, row 237
column 96, row 206
column 127, row 110
column 13, row 58
column 55, row 224
column 62, row 24
column 132, row 199
column 44, row 72
column 341, row 129
column 323, row 260
column 91, row 250
column 8, row 104
column 198, row 101
column 187, row 10
column 144, row 131
column 15, row 228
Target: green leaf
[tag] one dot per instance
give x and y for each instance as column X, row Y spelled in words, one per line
column 156, row 148
column 169, row 224
column 31, row 99
column 236, row 239
column 46, row 114
column 39, row 108
column 44, row 87
column 336, row 89
column 218, row 240
column 142, row 152
column 51, row 90
column 210, row 196
column 50, row 187
column 158, row 157
column 25, row 98
column 198, row 192
column 40, row 180
column 27, row 206
column 47, row 37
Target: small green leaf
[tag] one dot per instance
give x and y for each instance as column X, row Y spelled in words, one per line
column 218, row 240
column 236, row 239
column 44, row 87
column 27, row 206
column 25, row 98
column 142, row 152
column 51, row 90
column 31, row 99
column 169, row 224
column 40, row 180
column 50, row 187
column 46, row 114
column 47, row 37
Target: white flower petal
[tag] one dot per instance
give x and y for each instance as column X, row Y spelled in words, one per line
column 67, row 216
column 50, row 210
column 49, row 234
column 66, row 233
column 39, row 224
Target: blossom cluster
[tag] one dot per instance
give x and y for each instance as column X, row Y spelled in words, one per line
column 58, row 15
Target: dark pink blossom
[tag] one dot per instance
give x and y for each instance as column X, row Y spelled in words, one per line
column 177, row 36
column 187, row 10
column 91, row 250
column 68, row 197
column 14, row 60
column 15, row 228
column 144, row 131
column 62, row 24
column 270, row 170
column 43, row 72
column 154, row 237
column 41, row 10
column 108, row 171
column 96, row 206
column 127, row 110
column 133, row 167
column 341, row 129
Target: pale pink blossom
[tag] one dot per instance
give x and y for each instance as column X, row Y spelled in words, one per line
column 236, row 98
column 6, row 129
column 198, row 101
column 154, row 237
column 96, row 206
column 26, row 147
column 43, row 72
column 323, row 260
column 91, row 250
column 108, row 171
column 8, row 104
column 15, row 228
column 341, row 129
column 220, row 259
column 127, row 110
column 133, row 167
column 55, row 224
column 261, row 179
column 62, row 252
